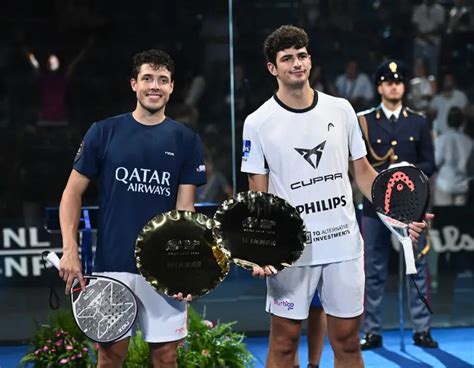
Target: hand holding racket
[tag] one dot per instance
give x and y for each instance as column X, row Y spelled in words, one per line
column 401, row 196
column 104, row 309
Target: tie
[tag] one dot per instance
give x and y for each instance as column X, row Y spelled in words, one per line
column 393, row 118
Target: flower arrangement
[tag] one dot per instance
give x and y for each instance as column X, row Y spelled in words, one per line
column 61, row 344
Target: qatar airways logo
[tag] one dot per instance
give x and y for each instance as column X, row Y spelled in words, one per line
column 141, row 180
column 284, row 304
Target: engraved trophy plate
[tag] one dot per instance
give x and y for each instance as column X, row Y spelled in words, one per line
column 175, row 252
column 260, row 229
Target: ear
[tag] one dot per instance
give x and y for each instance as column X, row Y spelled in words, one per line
column 133, row 84
column 172, row 86
column 379, row 89
column 272, row 69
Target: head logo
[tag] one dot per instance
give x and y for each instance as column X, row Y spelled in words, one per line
column 307, row 154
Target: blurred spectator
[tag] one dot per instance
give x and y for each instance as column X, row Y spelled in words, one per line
column 217, row 189
column 317, row 79
column 459, row 19
column 355, row 86
column 448, row 97
column 428, row 19
column 422, row 87
column 452, row 150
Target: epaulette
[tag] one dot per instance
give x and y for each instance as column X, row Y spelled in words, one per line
column 365, row 112
column 411, row 111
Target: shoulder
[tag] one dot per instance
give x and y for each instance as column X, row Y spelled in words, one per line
column 263, row 114
column 369, row 112
column 413, row 114
column 181, row 129
column 327, row 101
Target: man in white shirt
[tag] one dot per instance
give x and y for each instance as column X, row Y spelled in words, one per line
column 428, row 19
column 448, row 98
column 355, row 86
column 300, row 145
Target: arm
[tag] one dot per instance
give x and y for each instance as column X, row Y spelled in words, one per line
column 425, row 152
column 258, row 182
column 69, row 215
column 185, row 197
column 364, row 175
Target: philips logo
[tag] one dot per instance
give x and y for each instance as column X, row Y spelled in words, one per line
column 284, row 304
column 169, row 153
column 201, row 168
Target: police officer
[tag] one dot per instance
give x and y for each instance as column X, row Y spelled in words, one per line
column 393, row 133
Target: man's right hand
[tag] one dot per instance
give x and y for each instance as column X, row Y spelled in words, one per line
column 261, row 272
column 70, row 269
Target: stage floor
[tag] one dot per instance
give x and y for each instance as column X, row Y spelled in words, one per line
column 456, row 351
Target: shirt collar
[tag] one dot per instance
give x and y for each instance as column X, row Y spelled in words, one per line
column 389, row 113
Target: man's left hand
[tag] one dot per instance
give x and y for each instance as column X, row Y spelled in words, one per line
column 416, row 228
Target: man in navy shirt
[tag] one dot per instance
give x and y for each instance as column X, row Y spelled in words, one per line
column 145, row 164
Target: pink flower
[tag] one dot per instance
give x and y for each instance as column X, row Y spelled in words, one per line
column 64, row 361
column 45, row 348
column 48, row 341
column 205, row 352
column 73, row 357
column 79, row 355
column 69, row 347
column 37, row 351
column 59, row 342
column 208, row 323
column 85, row 349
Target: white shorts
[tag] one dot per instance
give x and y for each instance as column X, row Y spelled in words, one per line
column 160, row 317
column 340, row 286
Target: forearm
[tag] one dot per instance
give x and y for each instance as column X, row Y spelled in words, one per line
column 364, row 175
column 69, row 216
column 258, row 182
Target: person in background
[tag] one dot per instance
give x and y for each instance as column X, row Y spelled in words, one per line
column 393, row 134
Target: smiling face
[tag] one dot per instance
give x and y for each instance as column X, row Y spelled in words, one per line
column 153, row 87
column 292, row 67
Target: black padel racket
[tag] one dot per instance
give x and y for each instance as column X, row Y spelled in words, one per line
column 106, row 310
column 401, row 195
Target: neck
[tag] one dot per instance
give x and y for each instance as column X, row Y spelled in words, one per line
column 296, row 98
column 391, row 105
column 146, row 117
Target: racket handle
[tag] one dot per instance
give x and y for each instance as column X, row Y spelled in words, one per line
column 53, row 259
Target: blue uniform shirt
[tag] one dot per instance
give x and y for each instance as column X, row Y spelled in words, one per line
column 409, row 138
column 138, row 169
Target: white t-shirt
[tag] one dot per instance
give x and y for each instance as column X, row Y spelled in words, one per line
column 306, row 154
column 443, row 104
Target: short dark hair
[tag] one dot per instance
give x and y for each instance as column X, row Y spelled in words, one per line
column 282, row 38
column 154, row 57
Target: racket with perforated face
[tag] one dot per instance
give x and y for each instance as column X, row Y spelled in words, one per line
column 401, row 195
column 106, row 310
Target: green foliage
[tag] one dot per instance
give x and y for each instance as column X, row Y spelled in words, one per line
column 59, row 343
column 209, row 345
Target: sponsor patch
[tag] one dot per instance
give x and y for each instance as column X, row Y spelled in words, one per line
column 246, row 148
column 79, row 151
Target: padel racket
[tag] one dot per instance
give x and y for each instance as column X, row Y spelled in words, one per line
column 106, row 310
column 401, row 195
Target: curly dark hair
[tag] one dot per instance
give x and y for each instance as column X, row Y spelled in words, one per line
column 283, row 38
column 154, row 57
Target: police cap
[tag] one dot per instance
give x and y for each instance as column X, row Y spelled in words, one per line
column 390, row 70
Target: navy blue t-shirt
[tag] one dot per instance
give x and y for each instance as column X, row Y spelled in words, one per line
column 138, row 169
